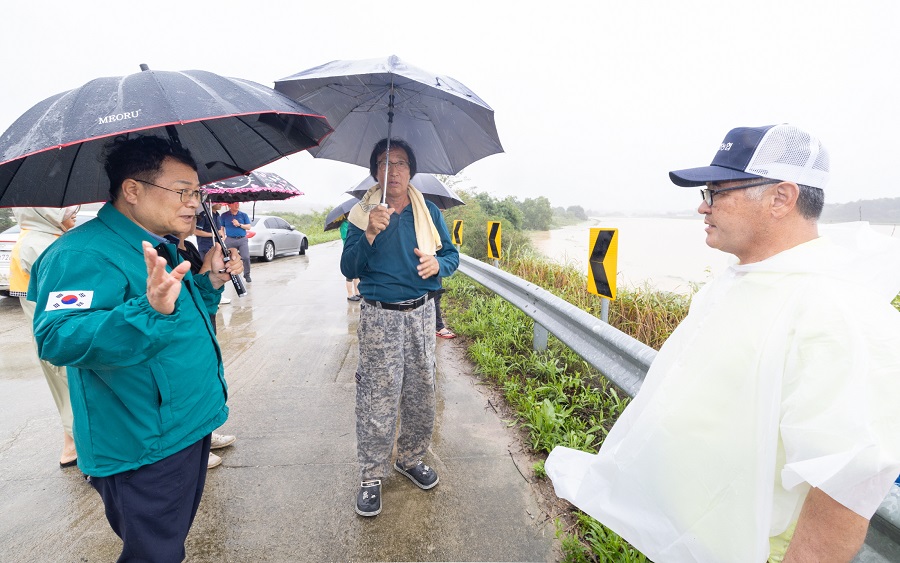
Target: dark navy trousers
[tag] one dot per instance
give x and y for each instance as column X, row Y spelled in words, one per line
column 151, row 508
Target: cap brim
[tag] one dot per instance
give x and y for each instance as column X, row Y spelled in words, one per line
column 693, row 177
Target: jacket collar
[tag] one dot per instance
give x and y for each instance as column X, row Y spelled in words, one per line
column 129, row 231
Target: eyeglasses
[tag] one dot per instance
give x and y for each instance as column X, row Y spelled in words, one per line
column 709, row 193
column 400, row 164
column 185, row 195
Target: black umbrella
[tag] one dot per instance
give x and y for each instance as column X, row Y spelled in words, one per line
column 432, row 189
column 446, row 124
column 337, row 215
column 51, row 156
column 256, row 186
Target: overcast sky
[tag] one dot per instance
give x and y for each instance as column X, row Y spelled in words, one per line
column 595, row 101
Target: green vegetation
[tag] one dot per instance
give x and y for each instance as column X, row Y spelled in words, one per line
column 6, row 218
column 516, row 217
column 312, row 225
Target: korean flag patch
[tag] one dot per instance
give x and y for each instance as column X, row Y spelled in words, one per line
column 69, row 300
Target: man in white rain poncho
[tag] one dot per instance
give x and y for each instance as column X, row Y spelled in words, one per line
column 770, row 414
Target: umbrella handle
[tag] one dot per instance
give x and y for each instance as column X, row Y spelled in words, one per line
column 239, row 286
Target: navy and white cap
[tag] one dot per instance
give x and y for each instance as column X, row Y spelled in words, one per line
column 779, row 152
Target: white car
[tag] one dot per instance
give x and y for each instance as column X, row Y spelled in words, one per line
column 273, row 236
column 8, row 239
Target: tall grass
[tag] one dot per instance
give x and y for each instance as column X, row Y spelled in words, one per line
column 644, row 313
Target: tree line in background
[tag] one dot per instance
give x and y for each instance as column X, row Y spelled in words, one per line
column 884, row 211
column 516, row 218
column 528, row 215
column 538, row 215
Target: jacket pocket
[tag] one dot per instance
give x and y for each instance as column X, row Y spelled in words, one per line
column 164, row 393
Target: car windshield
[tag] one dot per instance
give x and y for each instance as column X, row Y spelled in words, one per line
column 255, row 221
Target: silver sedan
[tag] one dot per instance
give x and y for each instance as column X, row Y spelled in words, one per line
column 273, row 236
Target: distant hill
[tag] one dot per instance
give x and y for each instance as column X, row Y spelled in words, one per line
column 884, row 210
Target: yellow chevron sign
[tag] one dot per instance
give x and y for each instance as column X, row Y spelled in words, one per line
column 602, row 255
column 456, row 235
column 493, row 239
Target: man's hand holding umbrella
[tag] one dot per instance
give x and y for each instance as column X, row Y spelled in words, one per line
column 219, row 270
column 379, row 219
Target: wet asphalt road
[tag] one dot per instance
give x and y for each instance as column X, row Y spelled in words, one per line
column 286, row 488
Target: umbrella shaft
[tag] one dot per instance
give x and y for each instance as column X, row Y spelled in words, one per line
column 387, row 153
column 226, row 257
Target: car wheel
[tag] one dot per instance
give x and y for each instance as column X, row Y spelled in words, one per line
column 269, row 251
column 304, row 244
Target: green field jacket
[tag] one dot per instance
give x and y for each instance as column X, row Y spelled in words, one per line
column 144, row 385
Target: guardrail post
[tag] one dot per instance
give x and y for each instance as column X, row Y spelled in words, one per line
column 539, row 343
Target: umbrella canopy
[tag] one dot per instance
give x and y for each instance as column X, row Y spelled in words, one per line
column 52, row 155
column 445, row 123
column 337, row 215
column 256, row 186
column 432, row 189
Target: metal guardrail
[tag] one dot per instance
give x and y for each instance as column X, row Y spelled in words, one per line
column 621, row 359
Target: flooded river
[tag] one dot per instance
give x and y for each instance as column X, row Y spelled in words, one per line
column 665, row 253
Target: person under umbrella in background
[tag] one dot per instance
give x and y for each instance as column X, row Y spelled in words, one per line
column 397, row 251
column 440, row 329
column 352, row 289
column 236, row 224
column 41, row 227
column 192, row 254
column 203, row 231
column 145, row 369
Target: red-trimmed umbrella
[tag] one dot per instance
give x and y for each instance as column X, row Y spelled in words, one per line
column 255, row 186
column 52, row 155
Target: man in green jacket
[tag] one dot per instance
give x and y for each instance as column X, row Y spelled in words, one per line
column 145, row 369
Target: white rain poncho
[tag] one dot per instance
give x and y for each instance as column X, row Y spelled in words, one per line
column 785, row 375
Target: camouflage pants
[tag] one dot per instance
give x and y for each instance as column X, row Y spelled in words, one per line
column 395, row 376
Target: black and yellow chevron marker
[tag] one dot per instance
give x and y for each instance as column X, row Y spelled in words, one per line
column 457, row 232
column 493, row 239
column 602, row 256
